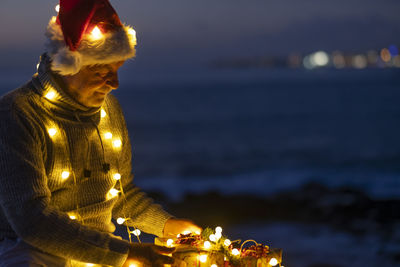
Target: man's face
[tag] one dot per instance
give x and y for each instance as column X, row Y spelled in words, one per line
column 92, row 84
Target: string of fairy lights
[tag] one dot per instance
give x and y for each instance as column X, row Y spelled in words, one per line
column 57, row 135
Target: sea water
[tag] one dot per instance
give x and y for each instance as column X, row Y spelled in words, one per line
column 262, row 131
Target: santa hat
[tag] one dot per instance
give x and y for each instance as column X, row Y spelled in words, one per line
column 87, row 32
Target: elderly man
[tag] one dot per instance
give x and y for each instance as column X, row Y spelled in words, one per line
column 65, row 155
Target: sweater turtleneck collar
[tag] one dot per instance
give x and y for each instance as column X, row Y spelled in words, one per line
column 47, row 86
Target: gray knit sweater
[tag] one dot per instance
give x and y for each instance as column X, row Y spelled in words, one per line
column 56, row 192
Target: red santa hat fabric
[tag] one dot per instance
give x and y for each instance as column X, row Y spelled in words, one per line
column 87, row 32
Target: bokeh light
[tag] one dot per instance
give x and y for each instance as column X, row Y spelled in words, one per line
column 359, row 62
column 338, row 60
column 320, row 59
column 385, row 55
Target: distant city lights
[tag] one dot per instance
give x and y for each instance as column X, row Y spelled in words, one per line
column 385, row 58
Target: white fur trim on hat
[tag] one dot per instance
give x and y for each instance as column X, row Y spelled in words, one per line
column 111, row 47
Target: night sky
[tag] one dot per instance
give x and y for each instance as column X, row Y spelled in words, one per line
column 181, row 32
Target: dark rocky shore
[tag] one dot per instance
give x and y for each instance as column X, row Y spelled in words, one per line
column 343, row 209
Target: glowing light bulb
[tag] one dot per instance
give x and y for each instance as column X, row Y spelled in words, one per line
column 52, row 132
column 136, row 232
column 65, row 174
column 57, row 8
column 117, row 176
column 120, row 220
column 197, row 232
column 89, row 264
column 203, row 258
column 117, row 143
column 214, row 265
column 133, row 265
column 132, row 32
column 108, row 135
column 218, row 229
column 273, row 262
column 72, row 217
column 96, row 33
column 170, row 242
column 207, row 244
column 212, row 238
column 50, row 95
column 235, row 252
column 227, row 242
column 186, row 232
column 178, row 235
column 113, row 192
column 103, row 113
column 218, row 235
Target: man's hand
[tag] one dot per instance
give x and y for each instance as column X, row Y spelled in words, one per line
column 174, row 226
column 148, row 255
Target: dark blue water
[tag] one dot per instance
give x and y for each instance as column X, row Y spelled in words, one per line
column 264, row 130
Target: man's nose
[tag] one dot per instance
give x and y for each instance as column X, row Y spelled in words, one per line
column 112, row 80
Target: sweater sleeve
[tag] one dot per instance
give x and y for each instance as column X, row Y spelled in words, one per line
column 25, row 198
column 135, row 204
